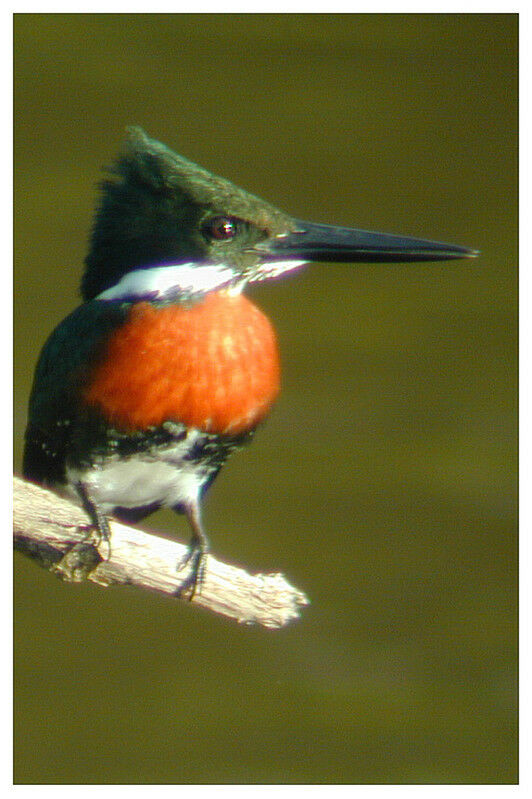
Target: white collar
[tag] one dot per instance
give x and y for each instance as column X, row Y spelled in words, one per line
column 160, row 282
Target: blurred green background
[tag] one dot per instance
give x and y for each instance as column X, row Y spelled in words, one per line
column 384, row 483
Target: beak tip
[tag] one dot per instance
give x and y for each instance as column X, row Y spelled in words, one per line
column 468, row 253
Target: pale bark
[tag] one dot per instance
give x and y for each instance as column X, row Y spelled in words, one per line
column 57, row 533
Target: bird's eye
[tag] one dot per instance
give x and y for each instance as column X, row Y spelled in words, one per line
column 221, row 228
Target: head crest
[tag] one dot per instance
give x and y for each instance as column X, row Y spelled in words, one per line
column 152, row 209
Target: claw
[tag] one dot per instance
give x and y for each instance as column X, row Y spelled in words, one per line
column 196, row 554
column 191, row 585
column 99, row 529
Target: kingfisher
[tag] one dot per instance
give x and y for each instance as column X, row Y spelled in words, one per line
column 166, row 368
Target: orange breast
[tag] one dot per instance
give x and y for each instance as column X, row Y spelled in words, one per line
column 214, row 366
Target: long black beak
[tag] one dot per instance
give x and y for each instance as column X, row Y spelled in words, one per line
column 312, row 242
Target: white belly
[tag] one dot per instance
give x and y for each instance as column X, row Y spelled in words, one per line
column 167, row 479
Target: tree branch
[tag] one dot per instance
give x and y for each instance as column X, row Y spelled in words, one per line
column 58, row 534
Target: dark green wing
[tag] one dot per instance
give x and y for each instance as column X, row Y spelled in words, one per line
column 59, row 376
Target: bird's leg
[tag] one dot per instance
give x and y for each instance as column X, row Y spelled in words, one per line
column 99, row 520
column 196, row 555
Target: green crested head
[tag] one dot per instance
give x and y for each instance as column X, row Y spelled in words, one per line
column 158, row 208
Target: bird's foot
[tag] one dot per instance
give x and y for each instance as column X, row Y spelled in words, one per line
column 99, row 531
column 196, row 556
column 99, row 536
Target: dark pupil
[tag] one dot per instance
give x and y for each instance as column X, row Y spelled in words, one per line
column 222, row 228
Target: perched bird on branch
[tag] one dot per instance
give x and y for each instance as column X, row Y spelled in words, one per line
column 166, row 368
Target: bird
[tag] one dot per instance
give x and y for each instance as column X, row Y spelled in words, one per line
column 166, row 367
